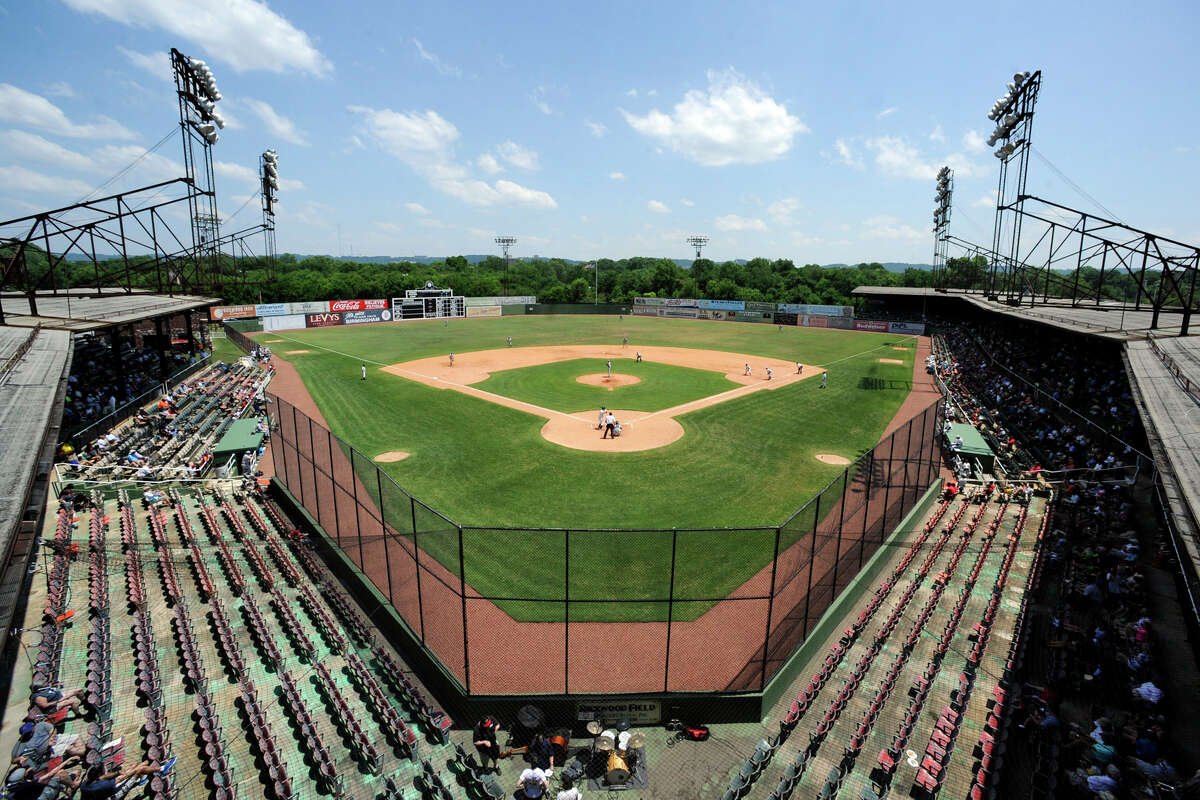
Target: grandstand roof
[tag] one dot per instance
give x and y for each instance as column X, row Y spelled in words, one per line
column 1106, row 319
column 1165, row 374
column 81, row 310
column 27, row 410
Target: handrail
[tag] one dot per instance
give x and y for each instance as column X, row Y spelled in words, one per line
column 1192, row 389
column 11, row 362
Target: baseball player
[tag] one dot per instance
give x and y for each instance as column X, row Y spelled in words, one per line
column 610, row 368
column 747, row 367
column 510, row 341
column 799, row 368
column 364, row 370
column 769, row 373
column 638, row 360
column 824, row 379
column 600, row 419
column 452, row 359
column 624, row 341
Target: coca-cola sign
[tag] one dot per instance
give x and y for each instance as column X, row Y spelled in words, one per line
column 358, row 305
column 323, row 320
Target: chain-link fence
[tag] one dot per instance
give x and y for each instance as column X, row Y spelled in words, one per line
column 550, row 610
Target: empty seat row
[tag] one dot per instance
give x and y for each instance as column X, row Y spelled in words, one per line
column 226, row 642
column 99, row 668
column 329, row 628
column 389, row 719
column 349, row 722
column 149, row 680
column 193, row 664
column 235, row 523
column 436, row 721
column 204, row 580
column 279, row 782
column 134, row 587
column 265, row 576
column 261, row 632
column 326, row 767
column 169, row 578
column 237, row 583
column 346, row 609
column 181, row 519
column 157, row 739
column 290, row 573
column 291, row 625
column 215, row 756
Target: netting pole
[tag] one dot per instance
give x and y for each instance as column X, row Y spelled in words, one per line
column 412, row 503
column 337, row 523
column 907, row 457
column 383, row 531
column 812, row 558
column 670, row 608
column 566, row 612
column 357, row 504
column 299, row 460
column 862, row 539
column 462, row 589
column 921, row 455
column 837, row 551
column 282, row 444
column 887, row 488
column 316, row 511
column 762, row 680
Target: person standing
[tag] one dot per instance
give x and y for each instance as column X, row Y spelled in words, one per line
column 769, row 373
column 600, row 419
column 609, row 422
column 824, row 379
column 639, row 357
column 747, row 367
column 452, row 359
column 624, row 341
column 799, row 368
column 610, row 368
column 486, row 744
column 510, row 341
column 532, row 784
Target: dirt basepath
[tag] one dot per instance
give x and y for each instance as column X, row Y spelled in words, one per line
column 643, row 430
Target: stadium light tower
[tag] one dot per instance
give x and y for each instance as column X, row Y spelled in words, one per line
column 199, row 121
column 1013, row 115
column 941, row 224
column 268, row 174
column 505, row 243
column 697, row 242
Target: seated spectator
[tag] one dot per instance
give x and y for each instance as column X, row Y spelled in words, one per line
column 25, row 783
column 101, row 785
column 46, row 699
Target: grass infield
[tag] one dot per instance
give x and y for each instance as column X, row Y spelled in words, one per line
column 747, row 462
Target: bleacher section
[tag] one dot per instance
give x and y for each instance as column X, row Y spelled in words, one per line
column 263, row 678
column 178, row 445
column 910, row 697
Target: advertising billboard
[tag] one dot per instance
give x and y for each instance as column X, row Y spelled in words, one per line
column 311, row 307
column 913, row 328
column 230, row 312
column 270, row 309
column 754, row 305
column 687, row 313
column 357, row 305
column 359, row 317
column 324, row 320
column 711, row 313
column 875, row 325
column 724, row 305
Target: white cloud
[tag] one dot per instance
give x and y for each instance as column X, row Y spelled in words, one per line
column 885, row 227
column 804, row 240
column 33, row 110
column 598, row 129
column 974, row 142
column 652, row 92
column 424, row 141
column 733, row 122
column 417, row 208
column 136, row 165
column 986, row 200
column 481, row 233
column 277, row 124
column 441, row 66
column 60, row 89
column 937, row 134
column 237, row 172
column 896, row 157
column 658, row 207
column 631, row 93
column 783, row 210
column 518, row 156
column 846, row 155
column 539, row 99
column 488, row 163
column 686, row 202
column 245, row 34
column 732, row 222
column 887, row 112
column 19, row 180
column 617, row 176
column 430, row 222
column 157, row 63
column 31, row 147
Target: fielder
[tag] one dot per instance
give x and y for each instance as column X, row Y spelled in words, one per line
column 747, row 367
column 638, row 360
column 364, row 368
column 610, row 368
column 510, row 341
column 824, row 379
column 799, row 368
column 769, row 373
column 452, row 359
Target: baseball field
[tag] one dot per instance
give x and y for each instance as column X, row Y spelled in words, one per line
column 506, row 436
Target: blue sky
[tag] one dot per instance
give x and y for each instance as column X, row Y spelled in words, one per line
column 789, row 130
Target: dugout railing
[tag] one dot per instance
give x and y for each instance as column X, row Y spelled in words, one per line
column 603, row 611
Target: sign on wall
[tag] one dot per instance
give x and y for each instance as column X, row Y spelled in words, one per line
column 638, row 712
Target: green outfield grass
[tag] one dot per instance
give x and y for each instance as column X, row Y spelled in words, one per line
column 747, row 462
column 554, row 385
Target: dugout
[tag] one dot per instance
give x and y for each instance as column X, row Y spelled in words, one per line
column 974, row 447
column 242, row 435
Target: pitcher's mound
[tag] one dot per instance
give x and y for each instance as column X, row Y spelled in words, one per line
column 830, row 458
column 890, row 361
column 295, row 352
column 601, row 379
column 391, row 455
